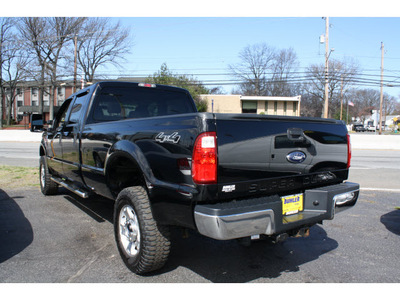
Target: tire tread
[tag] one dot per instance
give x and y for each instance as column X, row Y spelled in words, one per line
column 155, row 239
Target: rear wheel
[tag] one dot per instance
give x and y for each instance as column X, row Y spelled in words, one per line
column 143, row 245
column 47, row 186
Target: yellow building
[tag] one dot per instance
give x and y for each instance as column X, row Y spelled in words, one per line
column 235, row 104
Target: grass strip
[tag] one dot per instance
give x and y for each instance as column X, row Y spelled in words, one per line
column 12, row 177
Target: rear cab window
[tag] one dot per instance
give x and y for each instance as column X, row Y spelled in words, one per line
column 113, row 103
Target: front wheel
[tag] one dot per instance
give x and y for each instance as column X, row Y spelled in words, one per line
column 47, row 186
column 143, row 245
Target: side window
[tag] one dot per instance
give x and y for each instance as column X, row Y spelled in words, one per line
column 60, row 118
column 77, row 109
column 108, row 107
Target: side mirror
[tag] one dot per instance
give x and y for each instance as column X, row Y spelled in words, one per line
column 49, row 124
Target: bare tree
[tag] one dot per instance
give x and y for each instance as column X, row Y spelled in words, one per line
column 62, row 30
column 341, row 76
column 6, row 25
column 396, row 109
column 364, row 101
column 255, row 63
column 284, row 66
column 101, row 43
column 35, row 33
column 14, row 65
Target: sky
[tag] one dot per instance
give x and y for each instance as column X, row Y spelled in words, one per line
column 204, row 45
column 204, row 37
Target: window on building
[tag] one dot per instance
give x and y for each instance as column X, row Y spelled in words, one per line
column 266, row 107
column 19, row 91
column 20, row 103
column 34, row 91
column 249, row 107
column 294, row 108
column 276, row 107
column 35, row 103
column 284, row 108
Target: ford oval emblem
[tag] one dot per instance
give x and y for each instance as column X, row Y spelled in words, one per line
column 296, row 157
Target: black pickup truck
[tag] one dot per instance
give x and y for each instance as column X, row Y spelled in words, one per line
column 241, row 176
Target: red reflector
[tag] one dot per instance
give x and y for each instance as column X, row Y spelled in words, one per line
column 204, row 159
column 348, row 151
column 183, row 164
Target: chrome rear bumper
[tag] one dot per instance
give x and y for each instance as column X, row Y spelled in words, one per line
column 263, row 216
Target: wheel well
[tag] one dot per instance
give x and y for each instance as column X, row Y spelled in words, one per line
column 123, row 172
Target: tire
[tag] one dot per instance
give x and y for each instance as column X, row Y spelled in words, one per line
column 144, row 246
column 47, row 186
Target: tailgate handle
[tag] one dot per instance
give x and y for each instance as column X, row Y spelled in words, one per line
column 296, row 135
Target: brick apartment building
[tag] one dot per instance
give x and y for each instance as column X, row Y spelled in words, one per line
column 27, row 100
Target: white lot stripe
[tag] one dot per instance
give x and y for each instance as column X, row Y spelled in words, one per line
column 360, row 168
column 381, row 190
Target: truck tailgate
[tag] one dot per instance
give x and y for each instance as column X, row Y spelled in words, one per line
column 261, row 153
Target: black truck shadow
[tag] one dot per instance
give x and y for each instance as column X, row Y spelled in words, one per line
column 391, row 221
column 231, row 262
column 224, row 261
column 99, row 208
column 15, row 230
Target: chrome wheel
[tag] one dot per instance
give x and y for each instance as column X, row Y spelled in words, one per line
column 129, row 231
column 43, row 175
column 143, row 244
column 47, row 186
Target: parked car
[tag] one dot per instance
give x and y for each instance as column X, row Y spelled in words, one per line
column 359, row 128
column 35, row 122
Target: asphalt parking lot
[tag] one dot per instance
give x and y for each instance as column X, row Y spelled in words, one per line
column 67, row 239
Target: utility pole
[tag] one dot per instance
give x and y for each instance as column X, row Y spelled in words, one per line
column 75, row 53
column 341, row 97
column 381, row 100
column 326, row 67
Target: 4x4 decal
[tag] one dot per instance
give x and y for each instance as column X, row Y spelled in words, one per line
column 172, row 138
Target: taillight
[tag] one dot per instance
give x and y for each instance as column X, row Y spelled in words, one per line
column 150, row 85
column 204, row 159
column 348, row 151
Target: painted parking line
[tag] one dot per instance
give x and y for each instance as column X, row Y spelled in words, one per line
column 381, row 190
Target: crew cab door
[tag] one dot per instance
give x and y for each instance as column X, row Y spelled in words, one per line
column 71, row 137
column 54, row 152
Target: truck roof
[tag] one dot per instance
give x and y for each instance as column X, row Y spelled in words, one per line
column 132, row 84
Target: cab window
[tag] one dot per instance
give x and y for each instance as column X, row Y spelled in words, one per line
column 60, row 117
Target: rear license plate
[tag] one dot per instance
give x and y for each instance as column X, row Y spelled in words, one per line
column 292, row 204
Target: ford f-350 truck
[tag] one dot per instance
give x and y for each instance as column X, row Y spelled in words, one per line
column 227, row 176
